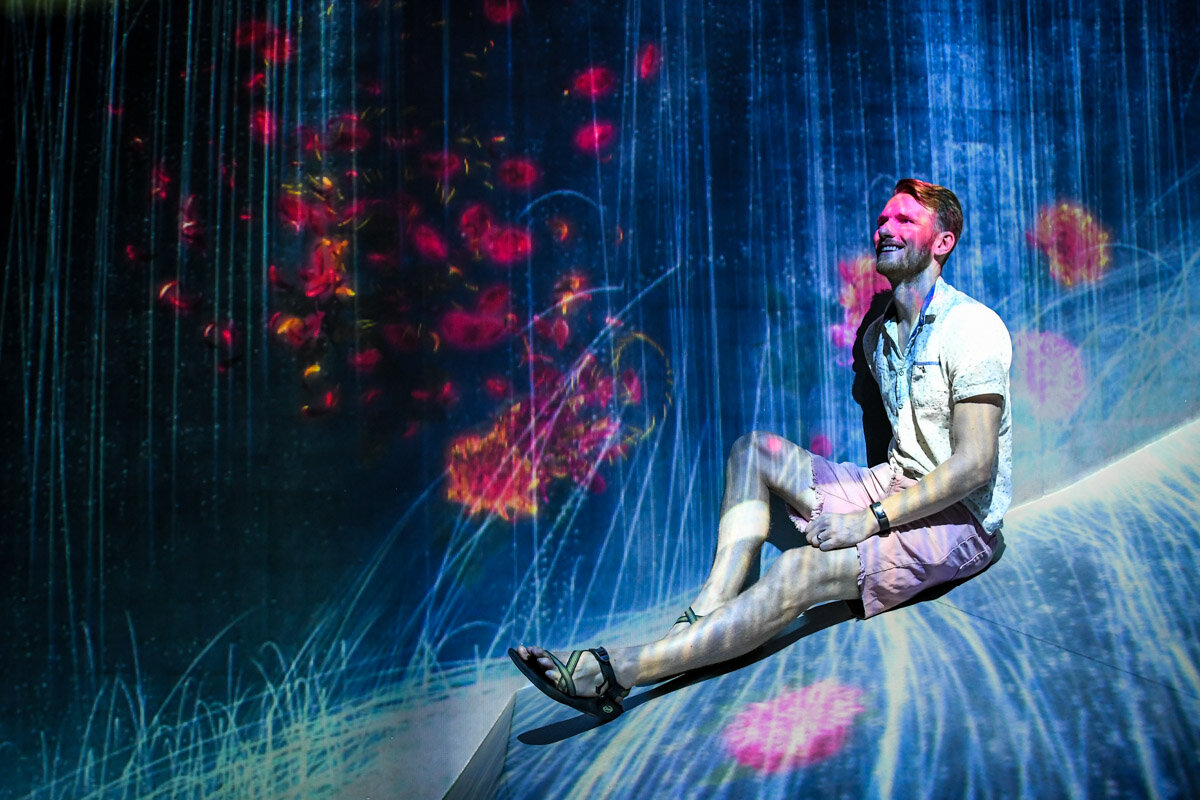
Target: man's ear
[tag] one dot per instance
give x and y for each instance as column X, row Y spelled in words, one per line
column 943, row 243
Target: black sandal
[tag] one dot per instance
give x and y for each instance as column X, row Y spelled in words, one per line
column 606, row 706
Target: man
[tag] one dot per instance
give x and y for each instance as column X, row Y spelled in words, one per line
column 876, row 536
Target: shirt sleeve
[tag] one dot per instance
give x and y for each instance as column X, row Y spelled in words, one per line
column 978, row 353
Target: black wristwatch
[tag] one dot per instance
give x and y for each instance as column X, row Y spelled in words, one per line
column 885, row 524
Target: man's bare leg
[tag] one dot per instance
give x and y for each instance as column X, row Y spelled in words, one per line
column 798, row 580
column 759, row 463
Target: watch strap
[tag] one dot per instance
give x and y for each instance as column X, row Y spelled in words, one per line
column 881, row 516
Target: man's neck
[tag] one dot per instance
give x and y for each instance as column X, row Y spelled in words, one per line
column 909, row 294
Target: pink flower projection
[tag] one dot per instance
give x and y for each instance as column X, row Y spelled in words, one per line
column 860, row 282
column 821, row 445
column 796, row 729
column 1075, row 243
column 1048, row 370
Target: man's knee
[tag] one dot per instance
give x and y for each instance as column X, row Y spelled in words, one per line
column 743, row 450
column 772, row 460
column 763, row 448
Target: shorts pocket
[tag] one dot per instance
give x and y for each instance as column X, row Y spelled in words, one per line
column 976, row 555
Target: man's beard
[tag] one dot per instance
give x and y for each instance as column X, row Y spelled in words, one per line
column 915, row 260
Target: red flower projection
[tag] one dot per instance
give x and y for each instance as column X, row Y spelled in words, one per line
column 365, row 360
column 473, row 224
column 860, row 283
column 649, row 61
column 442, row 295
column 325, row 273
column 220, row 335
column 595, row 138
column 297, row 331
column 172, row 296
column 486, row 325
column 594, row 83
column 273, row 45
column 299, row 213
column 160, row 181
column 501, row 11
column 264, row 126
column 796, row 729
column 518, row 173
column 1075, row 243
column 222, row 339
column 473, row 331
column 534, row 443
column 505, row 245
column 323, row 404
column 497, row 387
column 442, row 165
column 429, row 243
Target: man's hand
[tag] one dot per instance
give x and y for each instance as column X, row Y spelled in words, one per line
column 831, row 531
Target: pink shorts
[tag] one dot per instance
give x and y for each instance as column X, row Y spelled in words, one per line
column 945, row 546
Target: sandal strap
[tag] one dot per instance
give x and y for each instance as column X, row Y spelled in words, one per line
column 689, row 617
column 613, row 691
column 566, row 672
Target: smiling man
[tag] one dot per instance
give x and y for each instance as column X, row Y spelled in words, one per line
column 876, row 536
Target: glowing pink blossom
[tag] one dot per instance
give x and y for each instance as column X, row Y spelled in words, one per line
column 649, row 60
column 507, row 244
column 429, row 242
column 860, row 283
column 594, row 82
column 821, row 445
column 595, row 138
column 796, row 729
column 501, row 11
column 442, row 165
column 1048, row 370
column 264, row 126
column 518, row 173
column 1073, row 241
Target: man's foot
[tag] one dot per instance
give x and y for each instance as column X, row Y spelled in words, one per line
column 586, row 680
column 576, row 673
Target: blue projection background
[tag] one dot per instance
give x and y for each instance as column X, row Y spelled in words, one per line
column 348, row 344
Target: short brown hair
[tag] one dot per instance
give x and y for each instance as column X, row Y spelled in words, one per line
column 938, row 199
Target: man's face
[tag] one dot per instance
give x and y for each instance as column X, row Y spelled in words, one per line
column 904, row 238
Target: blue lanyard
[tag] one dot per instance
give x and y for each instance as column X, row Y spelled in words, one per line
column 910, row 347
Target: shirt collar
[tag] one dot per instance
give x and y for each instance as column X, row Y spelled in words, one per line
column 929, row 307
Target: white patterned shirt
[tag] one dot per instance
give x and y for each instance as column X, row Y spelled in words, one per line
column 958, row 349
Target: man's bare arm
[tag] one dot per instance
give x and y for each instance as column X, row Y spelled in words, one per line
column 975, row 425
